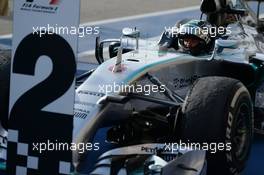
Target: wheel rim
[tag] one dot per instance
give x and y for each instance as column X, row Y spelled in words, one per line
column 242, row 133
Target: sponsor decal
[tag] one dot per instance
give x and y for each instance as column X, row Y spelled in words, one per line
column 47, row 6
column 183, row 82
column 154, row 150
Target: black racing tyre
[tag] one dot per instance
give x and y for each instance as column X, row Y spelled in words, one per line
column 5, row 57
column 219, row 111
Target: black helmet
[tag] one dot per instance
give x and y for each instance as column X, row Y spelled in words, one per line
column 194, row 36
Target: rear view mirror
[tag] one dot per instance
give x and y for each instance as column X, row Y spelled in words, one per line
column 99, row 48
column 222, row 44
column 131, row 33
column 114, row 44
column 259, row 56
column 230, row 44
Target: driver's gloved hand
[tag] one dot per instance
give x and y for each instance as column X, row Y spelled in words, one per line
column 167, row 41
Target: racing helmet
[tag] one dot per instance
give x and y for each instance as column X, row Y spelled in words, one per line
column 194, row 37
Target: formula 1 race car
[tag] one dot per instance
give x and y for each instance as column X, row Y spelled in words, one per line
column 152, row 99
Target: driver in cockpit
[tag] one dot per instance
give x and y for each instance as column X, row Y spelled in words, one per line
column 193, row 36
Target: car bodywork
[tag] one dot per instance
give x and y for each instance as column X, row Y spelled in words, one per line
column 100, row 103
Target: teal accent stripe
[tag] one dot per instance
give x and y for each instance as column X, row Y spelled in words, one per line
column 138, row 72
column 2, row 166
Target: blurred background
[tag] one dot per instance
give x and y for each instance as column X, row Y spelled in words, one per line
column 94, row 10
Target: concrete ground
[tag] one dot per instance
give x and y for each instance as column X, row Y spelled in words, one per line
column 92, row 10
